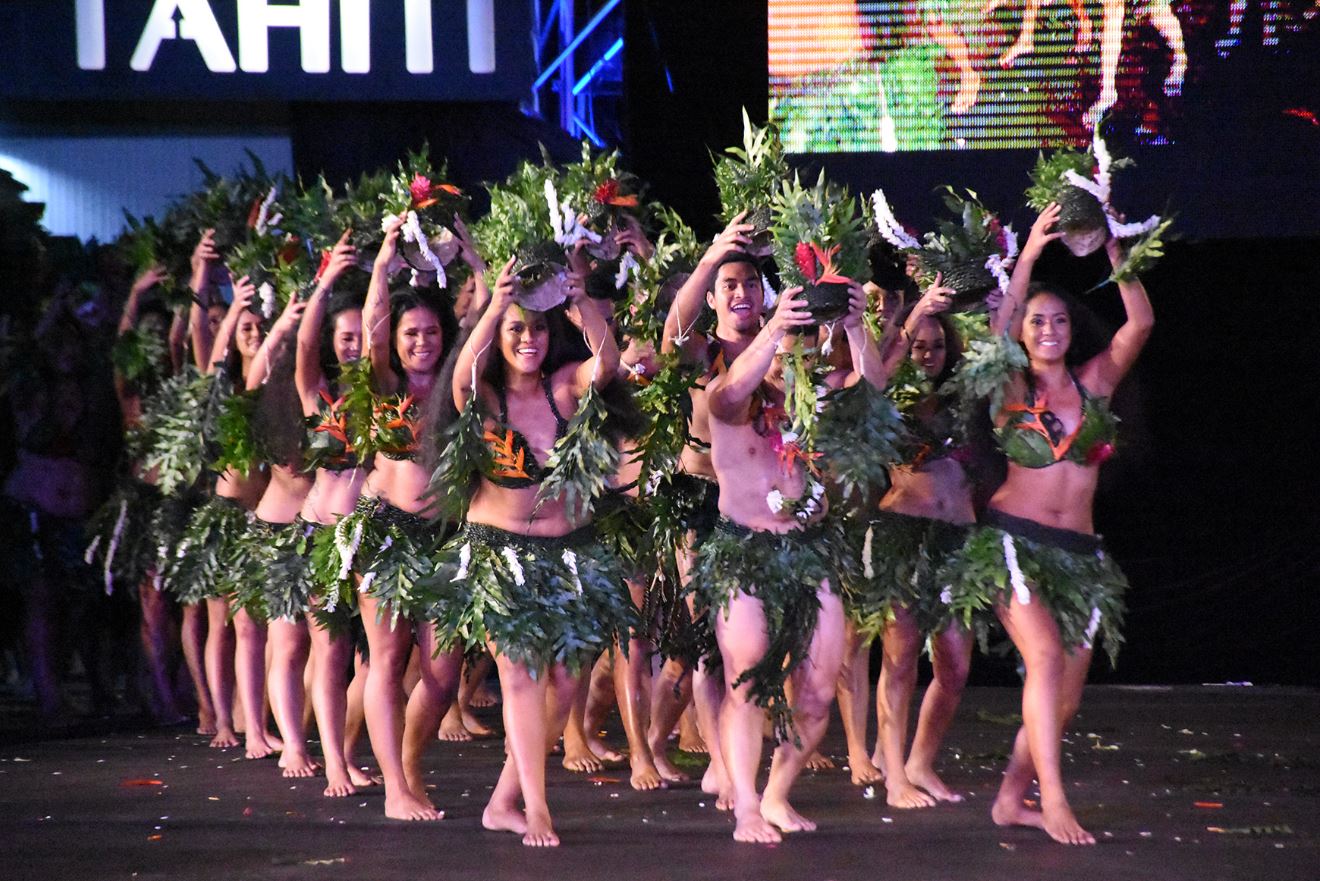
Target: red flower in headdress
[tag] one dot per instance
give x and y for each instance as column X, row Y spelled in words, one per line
column 325, row 261
column 254, row 213
column 607, row 193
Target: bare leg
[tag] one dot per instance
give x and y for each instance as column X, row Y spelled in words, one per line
column 853, row 691
column 952, row 660
column 154, row 632
column 689, row 732
column 40, row 641
column 708, row 700
column 578, row 756
column 741, row 633
column 969, row 81
column 1111, row 46
column 355, row 721
column 250, row 676
column 329, row 700
column 383, row 704
column 1166, row 22
column 481, row 695
column 1052, row 689
column 671, row 691
column 193, row 636
column 430, row 700
column 220, row 670
column 898, row 679
column 459, row 724
column 290, row 645
column 632, row 689
column 601, row 695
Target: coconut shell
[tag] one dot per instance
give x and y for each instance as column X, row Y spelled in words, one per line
column 826, row 302
column 1082, row 221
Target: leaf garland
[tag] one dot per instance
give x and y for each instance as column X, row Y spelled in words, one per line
column 859, row 436
column 463, row 456
column 582, row 460
column 239, row 445
column 172, row 423
column 666, row 403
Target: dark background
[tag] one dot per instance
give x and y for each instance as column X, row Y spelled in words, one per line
column 1210, row 506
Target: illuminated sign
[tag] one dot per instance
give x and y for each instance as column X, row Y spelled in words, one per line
column 297, row 49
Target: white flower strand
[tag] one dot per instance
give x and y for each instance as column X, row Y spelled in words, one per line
column 1020, row 591
column 564, row 221
column 946, row 595
column 464, row 560
column 868, row 562
column 515, row 565
column 1092, row 626
column 995, row 264
column 267, row 294
column 627, row 264
column 769, row 296
column 887, row 224
column 91, row 550
column 114, row 546
column 263, row 214
column 570, row 560
column 347, row 547
column 366, row 582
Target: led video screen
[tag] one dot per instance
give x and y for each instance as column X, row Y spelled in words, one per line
column 917, row 75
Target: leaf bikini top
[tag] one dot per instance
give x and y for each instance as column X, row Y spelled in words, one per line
column 515, row 465
column 328, row 444
column 395, row 429
column 1034, row 437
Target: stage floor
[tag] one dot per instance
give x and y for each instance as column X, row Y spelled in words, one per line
column 1176, row 783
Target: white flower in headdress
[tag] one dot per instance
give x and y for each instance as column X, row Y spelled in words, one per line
column 515, row 565
column 267, row 295
column 769, row 296
column 264, row 220
column 868, row 564
column 995, row 264
column 1100, row 187
column 464, row 558
column 564, row 221
column 775, row 499
column 570, row 560
column 1010, row 244
column 1020, row 590
column 387, row 220
column 413, row 232
column 653, row 482
column 887, row 224
column 627, row 264
column 331, row 602
column 1092, row 626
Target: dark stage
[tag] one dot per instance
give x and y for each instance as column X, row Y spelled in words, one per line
column 1200, row 783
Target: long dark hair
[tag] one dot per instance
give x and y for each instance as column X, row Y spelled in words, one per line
column 438, row 409
column 340, row 301
column 566, row 345
column 953, row 343
column 1089, row 335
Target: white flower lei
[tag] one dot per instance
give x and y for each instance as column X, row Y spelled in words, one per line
column 1020, row 590
column 264, row 221
column 267, row 295
column 627, row 264
column 1100, row 187
column 887, row 224
column 805, row 506
column 564, row 221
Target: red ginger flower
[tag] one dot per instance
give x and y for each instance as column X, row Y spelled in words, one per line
column 806, row 261
column 607, row 193
column 320, row 270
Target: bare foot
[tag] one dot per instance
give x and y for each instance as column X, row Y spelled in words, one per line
column 299, row 765
column 406, row 806
column 781, row 814
column 928, row 780
column 206, row 724
column 483, row 697
column 906, row 796
column 259, row 747
column 501, row 818
column 475, row 727
column 689, row 736
column 539, row 831
column 1023, row 46
column 863, row 772
column 452, row 730
column 667, row 769
column 224, row 739
column 878, row 761
column 580, row 760
column 338, row 786
column 752, row 828
column 1062, row 826
column 724, row 801
column 361, row 779
column 969, row 86
column 1010, row 811
column 645, row 777
column 601, row 751
column 818, row 762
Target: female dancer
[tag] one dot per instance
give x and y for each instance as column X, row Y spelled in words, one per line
column 537, row 585
column 407, row 338
column 266, row 601
column 1055, row 429
column 338, row 484
column 923, row 517
column 203, row 555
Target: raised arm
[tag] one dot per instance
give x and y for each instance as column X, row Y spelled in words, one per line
column 204, row 256
column 600, row 368
column 376, row 312
column 178, row 339
column 691, row 297
column 476, row 306
column 472, row 358
column 730, row 393
column 1008, row 317
column 284, row 329
column 224, row 337
column 936, row 299
column 150, row 277
column 865, row 351
column 307, row 374
column 1103, row 373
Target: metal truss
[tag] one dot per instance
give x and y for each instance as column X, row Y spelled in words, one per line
column 578, row 66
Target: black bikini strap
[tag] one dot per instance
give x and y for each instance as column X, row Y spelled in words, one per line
column 561, row 424
column 504, row 403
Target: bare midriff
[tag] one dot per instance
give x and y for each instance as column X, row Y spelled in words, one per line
column 1060, row 495
column 333, row 494
column 938, row 490
column 284, row 495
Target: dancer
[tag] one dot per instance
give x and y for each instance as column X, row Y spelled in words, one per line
column 338, row 478
column 1056, row 429
column 1111, row 47
column 768, row 573
column 1026, row 41
column 923, row 517
column 387, row 538
column 526, row 575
